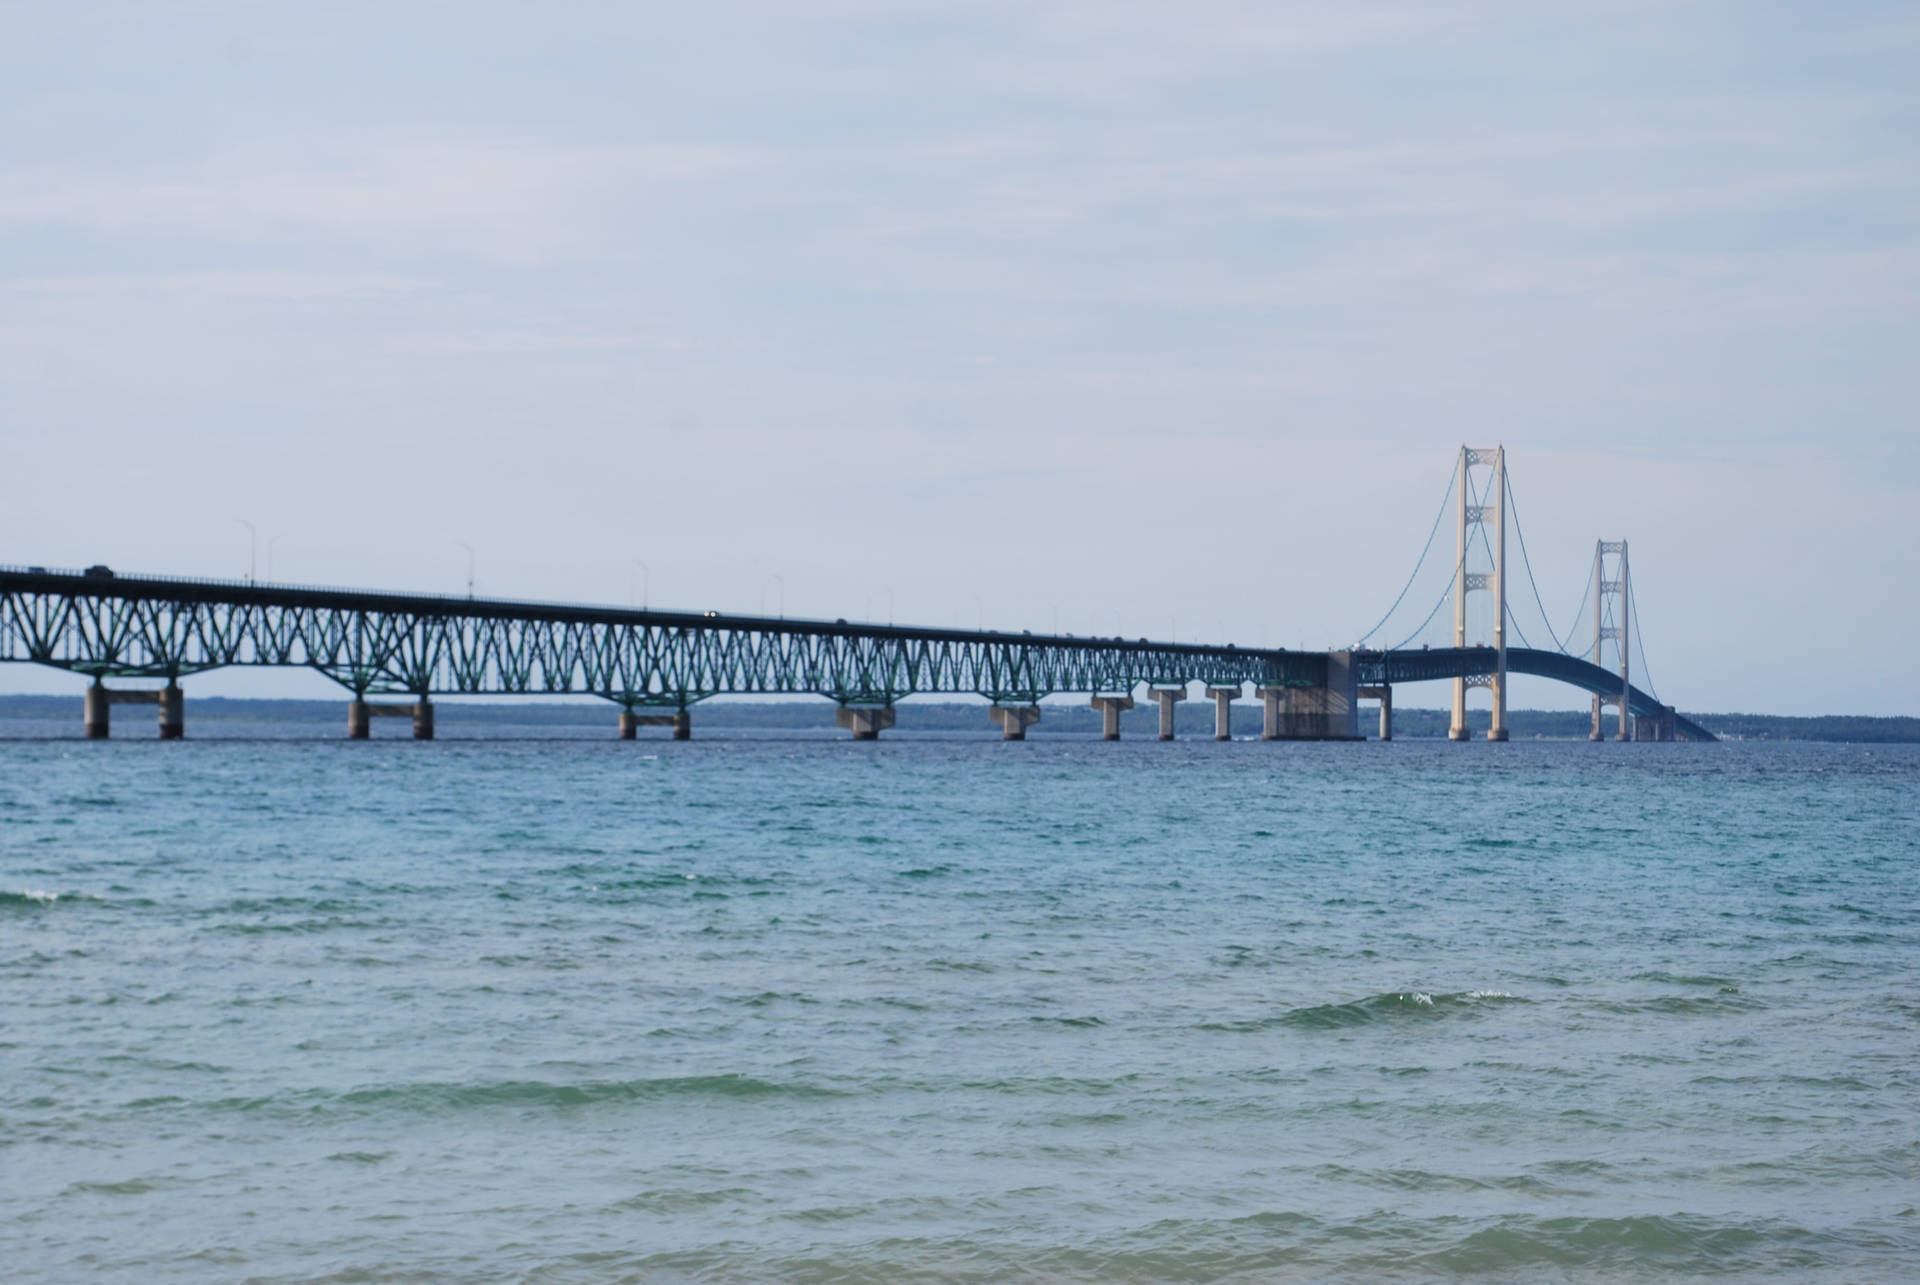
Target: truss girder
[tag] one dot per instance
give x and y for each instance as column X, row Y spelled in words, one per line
column 396, row 643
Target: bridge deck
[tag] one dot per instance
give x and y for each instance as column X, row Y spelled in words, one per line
column 370, row 641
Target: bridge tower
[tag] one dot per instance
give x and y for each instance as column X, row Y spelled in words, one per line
column 1495, row 582
column 1620, row 590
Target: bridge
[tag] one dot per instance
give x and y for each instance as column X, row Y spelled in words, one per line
column 657, row 665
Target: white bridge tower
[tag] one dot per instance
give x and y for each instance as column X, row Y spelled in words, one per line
column 1620, row 590
column 1495, row 582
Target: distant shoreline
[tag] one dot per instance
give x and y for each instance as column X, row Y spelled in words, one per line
column 1194, row 718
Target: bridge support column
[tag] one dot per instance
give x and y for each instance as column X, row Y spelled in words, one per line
column 1110, row 708
column 1329, row 712
column 1599, row 732
column 423, row 719
column 865, row 721
column 173, row 712
column 1168, row 698
column 359, row 719
column 96, row 717
column 1384, row 695
column 1655, row 727
column 1273, row 711
column 632, row 720
column 1223, row 711
column 1014, row 720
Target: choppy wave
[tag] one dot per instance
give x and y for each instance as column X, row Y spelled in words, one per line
column 1283, row 1245
column 433, row 1097
column 40, row 899
column 972, row 1052
column 1727, row 1000
column 1392, row 1006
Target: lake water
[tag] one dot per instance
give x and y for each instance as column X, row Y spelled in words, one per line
column 951, row 1009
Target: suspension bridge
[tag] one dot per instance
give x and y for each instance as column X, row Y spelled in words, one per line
column 657, row 665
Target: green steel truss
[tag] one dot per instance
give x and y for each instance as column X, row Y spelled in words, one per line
column 108, row 625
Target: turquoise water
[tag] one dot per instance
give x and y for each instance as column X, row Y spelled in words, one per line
column 954, row 1009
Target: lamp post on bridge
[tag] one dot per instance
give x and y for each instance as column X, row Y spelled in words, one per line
column 253, row 547
column 469, row 548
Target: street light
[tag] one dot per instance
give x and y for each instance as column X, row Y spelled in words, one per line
column 646, row 575
column 469, row 548
column 783, row 593
column 253, row 548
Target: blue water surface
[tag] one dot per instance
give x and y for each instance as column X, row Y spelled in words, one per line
column 951, row 1009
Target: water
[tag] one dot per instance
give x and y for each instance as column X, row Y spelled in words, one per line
column 564, row 1011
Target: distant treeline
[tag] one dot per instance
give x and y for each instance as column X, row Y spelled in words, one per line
column 1194, row 718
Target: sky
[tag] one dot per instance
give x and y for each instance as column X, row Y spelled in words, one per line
column 1110, row 317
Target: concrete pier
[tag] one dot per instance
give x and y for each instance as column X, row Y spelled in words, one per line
column 361, row 713
column 1014, row 720
column 423, row 719
column 1223, row 698
column 1273, row 709
column 865, row 721
column 1385, row 696
column 1168, row 698
column 631, row 721
column 1655, row 727
column 96, row 718
column 1110, row 708
column 1330, row 712
column 173, row 712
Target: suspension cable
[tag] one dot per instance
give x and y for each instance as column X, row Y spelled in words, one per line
column 1459, row 563
column 1633, row 610
column 1447, row 592
column 1514, row 621
column 1416, row 566
column 1581, row 613
column 1528, row 563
